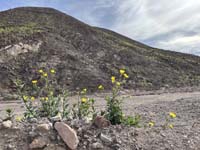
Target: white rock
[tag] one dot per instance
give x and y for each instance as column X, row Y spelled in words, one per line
column 7, row 124
column 56, row 118
column 67, row 134
column 105, row 139
column 97, row 145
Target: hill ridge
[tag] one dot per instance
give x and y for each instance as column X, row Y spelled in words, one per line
column 85, row 56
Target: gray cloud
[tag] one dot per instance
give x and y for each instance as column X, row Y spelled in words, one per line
column 165, row 24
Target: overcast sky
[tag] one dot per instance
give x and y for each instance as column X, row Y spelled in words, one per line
column 173, row 25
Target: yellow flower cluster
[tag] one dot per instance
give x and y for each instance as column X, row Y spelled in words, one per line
column 44, row 98
column 46, row 74
column 123, row 73
column 113, row 79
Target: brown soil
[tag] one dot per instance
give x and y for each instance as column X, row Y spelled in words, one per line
column 184, row 136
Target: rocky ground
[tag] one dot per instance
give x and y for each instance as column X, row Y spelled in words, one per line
column 42, row 134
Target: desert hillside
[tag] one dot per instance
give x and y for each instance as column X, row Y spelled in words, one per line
column 84, row 56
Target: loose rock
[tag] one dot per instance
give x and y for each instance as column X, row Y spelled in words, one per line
column 56, row 118
column 97, row 145
column 7, row 124
column 101, row 122
column 54, row 147
column 105, row 139
column 38, row 143
column 43, row 127
column 68, row 135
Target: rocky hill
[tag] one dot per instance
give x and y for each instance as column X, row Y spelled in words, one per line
column 84, row 56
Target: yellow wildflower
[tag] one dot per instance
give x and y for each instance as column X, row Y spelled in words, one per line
column 43, row 98
column 52, row 71
column 172, row 115
column 46, row 98
column 121, row 71
column 51, row 93
column 151, row 124
column 32, row 98
column 40, row 71
column 45, row 74
column 126, row 76
column 34, row 81
column 83, row 100
column 100, row 87
column 118, row 83
column 84, row 91
column 25, row 98
column 171, row 126
column 18, row 118
column 113, row 79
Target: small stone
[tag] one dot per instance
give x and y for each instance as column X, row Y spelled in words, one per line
column 32, row 134
column 56, row 118
column 67, row 134
column 97, row 145
column 116, row 147
column 105, row 139
column 11, row 147
column 1, row 120
column 38, row 143
column 43, row 127
column 7, row 124
column 101, row 122
column 33, row 120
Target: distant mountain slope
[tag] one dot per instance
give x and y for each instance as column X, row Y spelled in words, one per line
column 85, row 56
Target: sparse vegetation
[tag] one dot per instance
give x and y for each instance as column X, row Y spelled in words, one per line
column 42, row 89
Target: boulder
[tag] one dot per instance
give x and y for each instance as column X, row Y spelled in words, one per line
column 67, row 134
